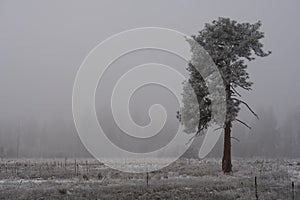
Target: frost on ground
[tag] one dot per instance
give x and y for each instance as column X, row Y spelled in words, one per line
column 184, row 179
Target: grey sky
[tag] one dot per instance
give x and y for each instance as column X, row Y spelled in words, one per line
column 42, row 44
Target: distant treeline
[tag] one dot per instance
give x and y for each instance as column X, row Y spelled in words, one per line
column 266, row 138
column 58, row 138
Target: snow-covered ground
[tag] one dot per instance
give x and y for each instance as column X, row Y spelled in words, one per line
column 184, row 179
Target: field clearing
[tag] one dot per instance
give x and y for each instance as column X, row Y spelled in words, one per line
column 184, row 179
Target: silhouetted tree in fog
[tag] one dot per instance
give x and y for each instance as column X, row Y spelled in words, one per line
column 231, row 45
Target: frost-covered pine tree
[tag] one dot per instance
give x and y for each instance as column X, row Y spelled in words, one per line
column 231, row 45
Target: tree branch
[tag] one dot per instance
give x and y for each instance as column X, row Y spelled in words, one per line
column 245, row 88
column 236, row 92
column 243, row 123
column 235, row 139
column 191, row 139
column 249, row 108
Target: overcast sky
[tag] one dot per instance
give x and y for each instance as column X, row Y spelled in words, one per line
column 43, row 43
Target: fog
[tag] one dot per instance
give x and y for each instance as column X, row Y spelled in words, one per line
column 43, row 43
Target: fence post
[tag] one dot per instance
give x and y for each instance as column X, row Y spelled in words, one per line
column 255, row 182
column 293, row 190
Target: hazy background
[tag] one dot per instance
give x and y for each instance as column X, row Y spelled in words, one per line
column 42, row 44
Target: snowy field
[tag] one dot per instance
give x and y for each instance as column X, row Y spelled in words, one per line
column 184, row 179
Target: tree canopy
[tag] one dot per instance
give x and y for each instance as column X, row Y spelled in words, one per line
column 231, row 45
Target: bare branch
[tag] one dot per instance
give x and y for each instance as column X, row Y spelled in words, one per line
column 191, row 139
column 243, row 123
column 197, row 134
column 236, row 92
column 249, row 108
column 245, row 88
column 235, row 139
column 218, row 128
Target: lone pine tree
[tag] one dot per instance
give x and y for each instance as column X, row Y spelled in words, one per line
column 231, row 45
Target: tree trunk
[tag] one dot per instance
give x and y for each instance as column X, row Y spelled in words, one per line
column 226, row 161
